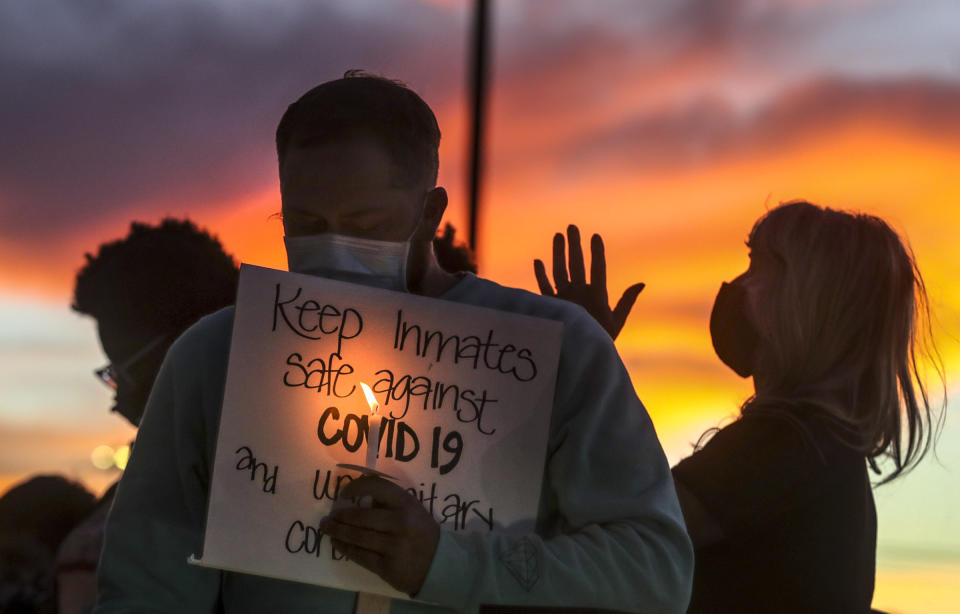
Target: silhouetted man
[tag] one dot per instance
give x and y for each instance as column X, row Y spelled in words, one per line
column 358, row 169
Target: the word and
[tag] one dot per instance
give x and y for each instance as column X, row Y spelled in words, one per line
column 248, row 462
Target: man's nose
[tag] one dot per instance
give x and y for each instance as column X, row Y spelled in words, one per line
column 320, row 224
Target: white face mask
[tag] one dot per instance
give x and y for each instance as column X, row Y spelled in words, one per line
column 380, row 264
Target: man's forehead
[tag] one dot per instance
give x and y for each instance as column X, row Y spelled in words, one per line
column 361, row 148
column 360, row 160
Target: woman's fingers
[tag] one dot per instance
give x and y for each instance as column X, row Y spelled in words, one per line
column 541, row 273
column 598, row 269
column 624, row 305
column 577, row 273
column 560, row 279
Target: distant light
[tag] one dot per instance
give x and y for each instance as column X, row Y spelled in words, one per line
column 121, row 456
column 102, row 457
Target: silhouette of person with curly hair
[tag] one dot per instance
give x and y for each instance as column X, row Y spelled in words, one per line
column 143, row 291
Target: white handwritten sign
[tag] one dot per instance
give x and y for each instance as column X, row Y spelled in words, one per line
column 466, row 393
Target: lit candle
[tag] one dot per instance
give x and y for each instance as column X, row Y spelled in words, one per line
column 373, row 434
column 369, row 603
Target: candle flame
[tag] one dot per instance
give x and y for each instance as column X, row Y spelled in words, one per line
column 371, row 400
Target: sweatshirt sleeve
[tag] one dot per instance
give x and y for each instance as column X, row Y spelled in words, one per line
column 156, row 521
column 615, row 536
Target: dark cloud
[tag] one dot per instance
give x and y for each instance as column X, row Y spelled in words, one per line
column 114, row 104
column 708, row 129
column 107, row 104
column 581, row 60
column 676, row 70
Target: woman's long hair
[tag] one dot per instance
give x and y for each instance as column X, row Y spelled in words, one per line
column 843, row 315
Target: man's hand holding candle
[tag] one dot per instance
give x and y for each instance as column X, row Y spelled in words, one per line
column 396, row 538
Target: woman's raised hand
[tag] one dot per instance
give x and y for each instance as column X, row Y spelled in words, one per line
column 574, row 288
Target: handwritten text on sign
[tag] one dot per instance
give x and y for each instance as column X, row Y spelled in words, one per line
column 466, row 394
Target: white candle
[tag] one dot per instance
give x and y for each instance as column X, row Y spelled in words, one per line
column 373, row 440
column 368, row 603
column 373, row 433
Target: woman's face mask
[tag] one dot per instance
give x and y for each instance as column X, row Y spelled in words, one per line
column 734, row 337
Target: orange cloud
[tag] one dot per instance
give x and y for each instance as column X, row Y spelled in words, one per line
column 681, row 231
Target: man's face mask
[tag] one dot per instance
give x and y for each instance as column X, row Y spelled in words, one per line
column 380, row 264
column 369, row 262
column 734, row 337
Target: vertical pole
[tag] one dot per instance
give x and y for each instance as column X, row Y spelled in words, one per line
column 479, row 70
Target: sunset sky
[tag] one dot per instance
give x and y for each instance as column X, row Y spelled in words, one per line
column 667, row 126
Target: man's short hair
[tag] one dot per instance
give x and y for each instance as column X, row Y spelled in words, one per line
column 162, row 278
column 364, row 105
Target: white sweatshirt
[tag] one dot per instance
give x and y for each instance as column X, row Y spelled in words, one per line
column 610, row 533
